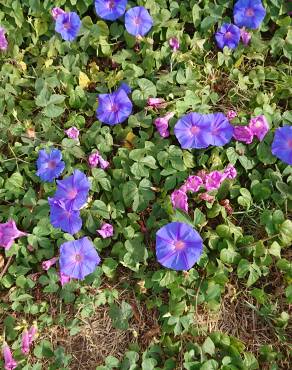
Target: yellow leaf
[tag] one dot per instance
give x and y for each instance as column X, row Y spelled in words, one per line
column 83, row 80
column 128, row 142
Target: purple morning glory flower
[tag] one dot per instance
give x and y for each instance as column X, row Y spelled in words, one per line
column 245, row 36
column 259, row 127
column 9, row 362
column 193, row 131
column 249, row 13
column 114, row 108
column 221, row 129
column 110, row 9
column 3, row 40
column 243, row 133
column 8, row 233
column 228, row 35
column 179, row 199
column 106, row 231
column 64, row 218
column 124, row 86
column 282, row 144
column 174, row 43
column 78, row 258
column 50, row 165
column 68, row 25
column 73, row 190
column 178, row 246
column 138, row 21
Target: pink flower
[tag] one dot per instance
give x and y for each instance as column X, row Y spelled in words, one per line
column 179, row 200
column 8, row 233
column 156, row 102
column 3, row 40
column 25, row 342
column 207, row 197
column 32, row 333
column 9, row 362
column 64, row 279
column 56, row 12
column 259, row 126
column 72, row 133
column 106, row 231
column 230, row 172
column 103, row 163
column 49, row 263
column 162, row 124
column 174, row 43
column 93, row 159
column 243, row 133
column 245, row 36
column 202, row 174
column 231, row 114
column 214, row 180
column 194, row 183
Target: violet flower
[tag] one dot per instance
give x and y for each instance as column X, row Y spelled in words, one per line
column 49, row 263
column 72, row 133
column 106, row 231
column 162, row 124
column 8, row 233
column 259, row 127
column 243, row 133
column 9, row 362
column 179, row 200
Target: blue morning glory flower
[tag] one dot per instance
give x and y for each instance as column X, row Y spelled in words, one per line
column 73, row 190
column 249, row 13
column 193, row 131
column 124, row 86
column 64, row 218
column 78, row 258
column 178, row 246
column 228, row 35
column 110, row 9
column 138, row 21
column 68, row 25
column 221, row 129
column 282, row 144
column 114, row 108
column 49, row 165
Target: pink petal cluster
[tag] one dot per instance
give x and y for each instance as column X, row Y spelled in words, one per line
column 245, row 36
column 156, row 103
column 72, row 133
column 174, row 43
column 9, row 362
column 8, row 233
column 208, row 181
column 231, row 114
column 258, row 126
column 49, row 263
column 56, row 12
column 179, row 199
column 28, row 337
column 3, row 40
column 106, row 231
column 162, row 124
column 64, row 279
column 96, row 159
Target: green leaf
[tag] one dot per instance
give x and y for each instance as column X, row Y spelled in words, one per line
column 208, row 346
column 120, row 315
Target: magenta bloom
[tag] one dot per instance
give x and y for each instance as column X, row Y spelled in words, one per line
column 259, row 127
column 9, row 362
column 8, row 233
column 25, row 342
column 103, row 163
column 231, row 114
column 162, row 124
column 243, row 133
column 73, row 190
column 93, row 159
column 49, row 263
column 72, row 133
column 245, row 36
column 156, row 102
column 78, row 258
column 214, row 180
column 193, row 131
column 230, row 172
column 178, row 246
column 174, row 43
column 56, row 12
column 193, row 183
column 179, row 200
column 3, row 40
column 221, row 129
column 64, row 279
column 106, row 231
column 207, row 197
column 32, row 333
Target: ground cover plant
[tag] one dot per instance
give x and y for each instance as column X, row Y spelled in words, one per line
column 145, row 184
